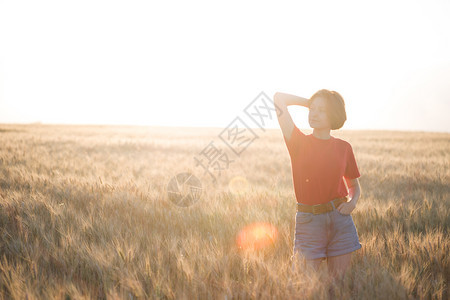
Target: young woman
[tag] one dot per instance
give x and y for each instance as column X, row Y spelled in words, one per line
column 325, row 176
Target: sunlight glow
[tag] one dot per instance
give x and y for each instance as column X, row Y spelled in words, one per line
column 166, row 63
column 239, row 185
column 257, row 236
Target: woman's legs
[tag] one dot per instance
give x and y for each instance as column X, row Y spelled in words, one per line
column 337, row 265
column 314, row 263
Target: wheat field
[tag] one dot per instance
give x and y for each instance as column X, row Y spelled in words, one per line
column 85, row 212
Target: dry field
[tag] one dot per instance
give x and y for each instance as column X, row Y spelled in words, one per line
column 85, row 213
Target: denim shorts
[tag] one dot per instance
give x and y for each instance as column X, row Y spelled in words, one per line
column 323, row 235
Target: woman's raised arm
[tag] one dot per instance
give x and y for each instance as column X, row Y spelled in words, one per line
column 282, row 100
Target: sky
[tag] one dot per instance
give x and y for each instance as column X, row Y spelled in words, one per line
column 200, row 63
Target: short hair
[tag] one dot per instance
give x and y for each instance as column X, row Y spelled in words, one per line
column 335, row 107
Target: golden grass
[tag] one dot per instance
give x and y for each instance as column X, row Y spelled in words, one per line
column 84, row 213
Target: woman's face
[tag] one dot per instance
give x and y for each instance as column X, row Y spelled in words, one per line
column 318, row 114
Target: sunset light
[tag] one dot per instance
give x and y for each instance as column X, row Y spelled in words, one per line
column 166, row 64
column 219, row 149
column 257, row 236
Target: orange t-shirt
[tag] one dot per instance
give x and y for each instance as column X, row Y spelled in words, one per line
column 319, row 167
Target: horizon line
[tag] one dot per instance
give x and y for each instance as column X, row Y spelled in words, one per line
column 205, row 127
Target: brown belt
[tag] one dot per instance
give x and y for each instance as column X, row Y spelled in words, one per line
column 321, row 208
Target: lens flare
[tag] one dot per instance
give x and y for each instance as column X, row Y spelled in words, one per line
column 239, row 185
column 257, row 236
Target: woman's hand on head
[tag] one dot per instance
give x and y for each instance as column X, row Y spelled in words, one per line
column 308, row 103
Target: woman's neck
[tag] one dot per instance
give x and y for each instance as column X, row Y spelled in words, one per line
column 322, row 133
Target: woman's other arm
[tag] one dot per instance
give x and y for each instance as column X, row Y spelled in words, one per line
column 354, row 190
column 282, row 100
